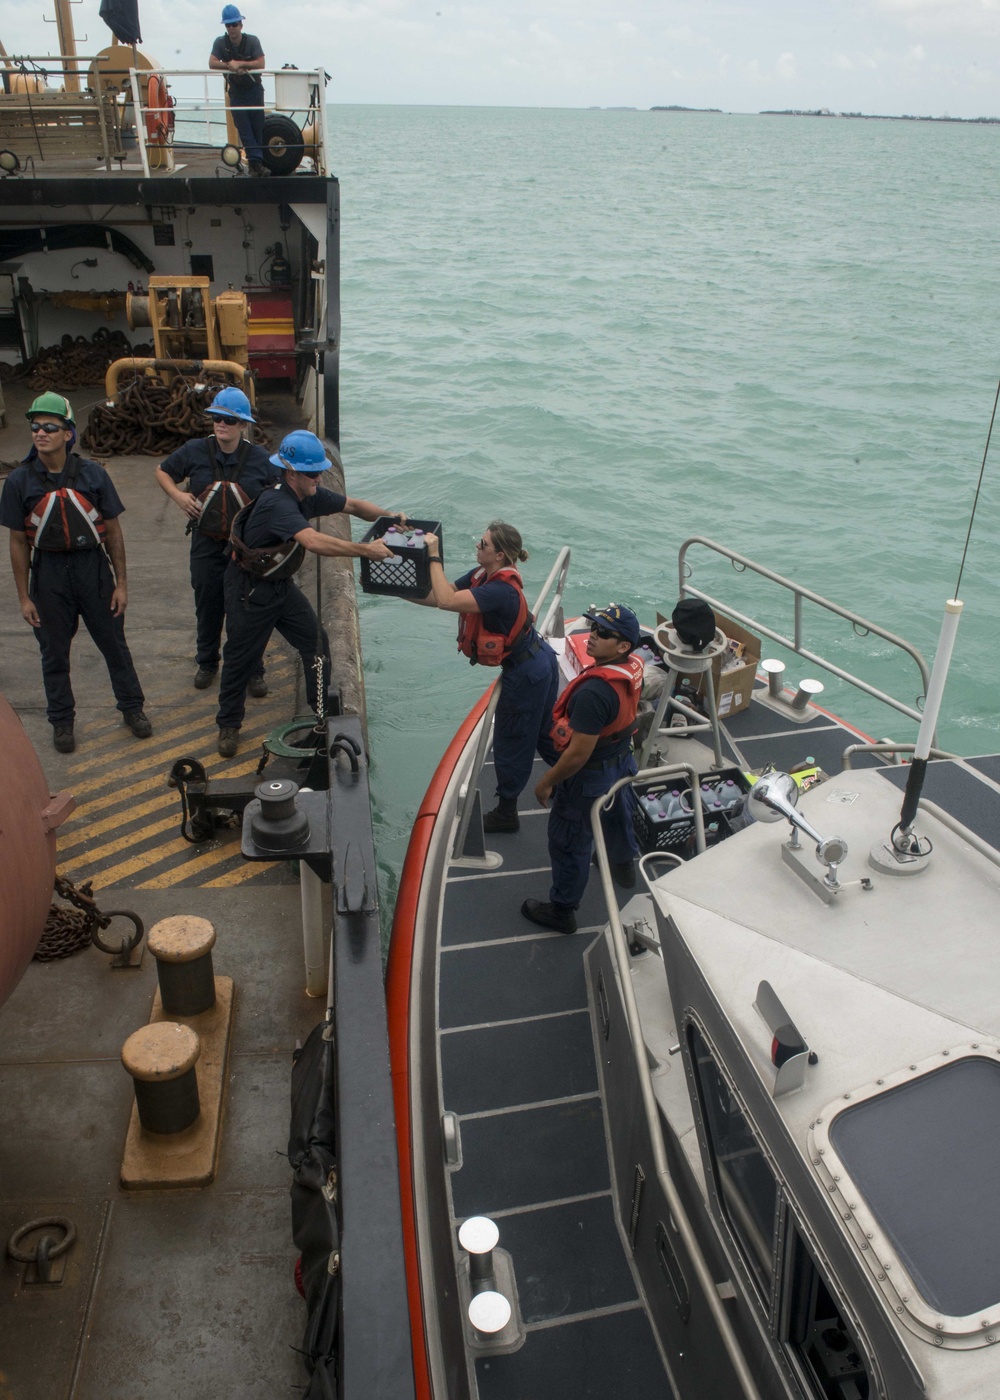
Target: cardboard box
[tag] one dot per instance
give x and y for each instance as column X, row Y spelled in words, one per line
column 733, row 687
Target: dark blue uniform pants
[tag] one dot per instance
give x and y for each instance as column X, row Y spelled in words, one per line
column 64, row 589
column 249, row 124
column 254, row 609
column 523, row 718
column 208, row 572
column 571, row 840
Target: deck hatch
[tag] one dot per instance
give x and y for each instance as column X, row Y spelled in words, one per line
column 923, row 1154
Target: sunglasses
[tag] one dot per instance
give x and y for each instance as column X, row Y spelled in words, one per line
column 48, row 428
column 484, row 544
column 598, row 631
column 226, row 418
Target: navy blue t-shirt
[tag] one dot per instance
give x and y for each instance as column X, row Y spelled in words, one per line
column 498, row 602
column 593, row 705
column 244, row 84
column 279, row 515
column 29, row 482
column 193, row 463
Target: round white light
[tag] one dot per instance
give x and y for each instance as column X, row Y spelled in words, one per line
column 231, row 156
column 9, row 162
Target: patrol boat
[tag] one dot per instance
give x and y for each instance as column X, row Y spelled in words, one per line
column 736, row 1137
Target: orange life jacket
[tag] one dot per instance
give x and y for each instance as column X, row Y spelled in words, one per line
column 491, row 648
column 64, row 520
column 625, row 678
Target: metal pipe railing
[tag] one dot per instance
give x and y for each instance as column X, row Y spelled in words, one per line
column 946, row 819
column 886, row 746
column 557, row 575
column 794, row 643
column 675, row 1204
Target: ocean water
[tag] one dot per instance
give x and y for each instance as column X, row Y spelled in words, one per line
column 621, row 329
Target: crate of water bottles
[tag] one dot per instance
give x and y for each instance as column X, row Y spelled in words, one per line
column 664, row 815
column 407, row 574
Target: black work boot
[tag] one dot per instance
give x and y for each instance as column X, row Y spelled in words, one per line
column 62, row 738
column 503, row 817
column 138, row 722
column 203, row 677
column 555, row 916
column 229, row 742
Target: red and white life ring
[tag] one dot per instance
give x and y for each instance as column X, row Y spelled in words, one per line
column 160, row 111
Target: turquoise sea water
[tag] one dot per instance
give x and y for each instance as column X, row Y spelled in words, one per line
column 619, row 329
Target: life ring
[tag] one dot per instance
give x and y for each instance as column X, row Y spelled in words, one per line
column 160, row 111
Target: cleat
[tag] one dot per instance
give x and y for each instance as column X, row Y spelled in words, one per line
column 257, row 687
column 559, row 917
column 229, row 742
column 204, row 676
column 62, row 738
column 138, row 723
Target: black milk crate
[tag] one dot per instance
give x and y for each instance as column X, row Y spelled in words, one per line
column 411, row 577
column 677, row 834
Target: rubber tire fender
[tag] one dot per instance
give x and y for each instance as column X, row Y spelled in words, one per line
column 283, row 148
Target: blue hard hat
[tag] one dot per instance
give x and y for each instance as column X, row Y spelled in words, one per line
column 302, row 452
column 618, row 619
column 233, row 402
column 231, row 15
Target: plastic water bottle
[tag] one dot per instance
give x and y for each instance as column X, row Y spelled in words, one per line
column 393, row 540
column 672, row 805
column 417, row 540
column 730, row 794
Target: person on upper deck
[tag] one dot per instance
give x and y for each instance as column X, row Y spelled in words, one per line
column 269, row 542
column 593, row 724
column 239, row 55
column 67, row 555
column 495, row 628
column 224, row 472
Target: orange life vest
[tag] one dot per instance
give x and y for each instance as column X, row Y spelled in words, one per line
column 625, row 678
column 491, row 648
column 64, row 520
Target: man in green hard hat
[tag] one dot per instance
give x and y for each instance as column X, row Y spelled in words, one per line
column 68, row 559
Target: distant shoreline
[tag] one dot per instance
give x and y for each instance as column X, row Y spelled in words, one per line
column 853, row 116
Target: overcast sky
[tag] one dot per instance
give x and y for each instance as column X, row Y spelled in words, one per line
column 923, row 57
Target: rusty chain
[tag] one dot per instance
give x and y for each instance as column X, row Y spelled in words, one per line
column 72, row 363
column 68, row 930
column 152, row 418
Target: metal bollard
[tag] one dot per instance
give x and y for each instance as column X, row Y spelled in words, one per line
column 182, row 946
column 805, row 692
column 489, row 1314
column 774, row 671
column 161, row 1059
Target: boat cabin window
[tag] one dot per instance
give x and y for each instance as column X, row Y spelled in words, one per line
column 818, row 1339
column 744, row 1180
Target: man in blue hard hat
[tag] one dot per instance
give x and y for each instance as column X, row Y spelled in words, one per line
column 223, row 472
column 239, row 56
column 592, row 726
column 269, row 541
column 67, row 555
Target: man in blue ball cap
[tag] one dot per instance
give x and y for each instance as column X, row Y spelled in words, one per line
column 269, row 541
column 592, row 726
column 223, row 472
column 239, row 56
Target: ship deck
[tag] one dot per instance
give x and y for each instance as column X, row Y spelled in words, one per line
column 165, row 1292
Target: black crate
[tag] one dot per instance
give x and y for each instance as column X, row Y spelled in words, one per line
column 411, row 577
column 677, row 834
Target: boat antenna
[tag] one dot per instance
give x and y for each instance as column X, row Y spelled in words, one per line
column 906, row 851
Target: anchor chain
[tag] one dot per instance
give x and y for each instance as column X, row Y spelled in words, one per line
column 69, row 930
column 73, row 363
column 152, row 418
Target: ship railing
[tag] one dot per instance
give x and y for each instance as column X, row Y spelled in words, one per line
column 298, row 93
column 678, row 1211
column 552, row 624
column 861, row 625
column 52, row 125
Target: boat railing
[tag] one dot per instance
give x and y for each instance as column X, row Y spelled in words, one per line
column 675, row 1203
column 795, row 643
column 885, row 747
column 298, row 95
column 551, row 625
column 46, row 124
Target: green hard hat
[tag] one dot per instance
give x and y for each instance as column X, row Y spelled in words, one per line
column 52, row 403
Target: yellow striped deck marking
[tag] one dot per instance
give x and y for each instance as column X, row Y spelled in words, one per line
column 243, row 872
column 83, row 834
column 197, row 865
column 113, row 873
column 129, row 840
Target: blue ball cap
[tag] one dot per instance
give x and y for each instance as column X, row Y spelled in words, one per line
column 618, row 619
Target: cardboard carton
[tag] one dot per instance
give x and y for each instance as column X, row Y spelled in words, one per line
column 733, row 686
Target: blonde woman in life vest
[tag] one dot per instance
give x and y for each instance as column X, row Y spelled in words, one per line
column 495, row 628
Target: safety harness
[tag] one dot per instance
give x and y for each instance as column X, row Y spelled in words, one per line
column 222, row 500
column 274, row 562
column 625, row 678
column 64, row 520
column 485, row 648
